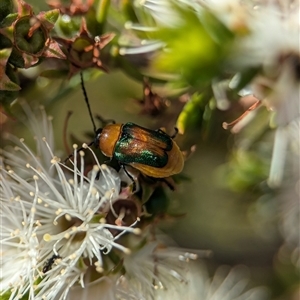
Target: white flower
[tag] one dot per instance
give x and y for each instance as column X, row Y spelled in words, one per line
column 104, row 286
column 288, row 197
column 50, row 209
column 273, row 46
column 233, row 13
column 163, row 273
column 130, row 44
column 163, row 14
column 20, row 250
column 161, row 10
column 227, row 284
column 152, row 268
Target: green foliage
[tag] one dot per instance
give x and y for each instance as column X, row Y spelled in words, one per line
column 191, row 117
column 196, row 48
column 245, row 171
column 9, row 88
column 6, row 7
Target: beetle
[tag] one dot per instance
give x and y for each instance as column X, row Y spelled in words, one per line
column 49, row 263
column 153, row 152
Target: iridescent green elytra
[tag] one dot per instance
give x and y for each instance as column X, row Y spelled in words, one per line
column 140, row 145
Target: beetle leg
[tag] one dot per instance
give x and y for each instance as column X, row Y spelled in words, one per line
column 161, row 130
column 106, row 162
column 170, row 186
column 164, row 180
column 175, row 133
column 133, row 182
column 98, row 175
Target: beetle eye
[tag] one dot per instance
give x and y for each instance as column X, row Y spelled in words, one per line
column 98, row 131
column 97, row 137
column 96, row 141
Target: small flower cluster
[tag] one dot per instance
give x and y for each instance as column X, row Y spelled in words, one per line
column 48, row 211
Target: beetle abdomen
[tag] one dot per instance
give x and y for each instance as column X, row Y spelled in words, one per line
column 174, row 165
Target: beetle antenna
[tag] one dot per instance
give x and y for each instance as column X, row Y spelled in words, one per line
column 87, row 101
